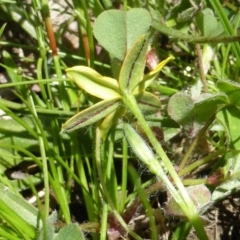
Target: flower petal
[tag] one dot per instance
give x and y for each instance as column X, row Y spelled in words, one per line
column 148, row 78
column 94, row 83
column 90, row 115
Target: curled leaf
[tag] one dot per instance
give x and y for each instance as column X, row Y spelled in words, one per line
column 94, row 83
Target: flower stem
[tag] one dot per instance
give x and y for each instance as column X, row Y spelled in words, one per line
column 104, row 187
column 181, row 197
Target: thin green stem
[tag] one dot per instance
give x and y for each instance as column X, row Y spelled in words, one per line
column 144, row 200
column 200, row 162
column 43, row 111
column 89, row 199
column 107, row 4
column 44, row 164
column 192, row 182
column 62, row 87
column 124, row 175
column 194, row 143
column 218, row 8
column 104, row 222
column 8, row 85
column 175, row 34
column 104, row 188
column 125, row 5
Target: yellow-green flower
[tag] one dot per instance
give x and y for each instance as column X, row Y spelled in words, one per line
column 131, row 80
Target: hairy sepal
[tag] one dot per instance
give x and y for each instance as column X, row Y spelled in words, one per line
column 94, row 83
column 90, row 115
column 138, row 145
column 131, row 72
column 148, row 102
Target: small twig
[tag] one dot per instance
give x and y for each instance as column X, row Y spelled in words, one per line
column 178, row 35
column 48, row 22
column 201, row 69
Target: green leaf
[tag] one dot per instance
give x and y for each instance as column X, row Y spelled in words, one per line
column 187, row 15
column 49, row 228
column 226, row 189
column 138, row 21
column 200, row 195
column 179, row 106
column 117, row 30
column 70, row 232
column 229, row 118
column 12, row 132
column 22, row 181
column 182, row 230
column 2, row 29
column 232, row 90
column 18, row 212
column 8, row 160
column 148, row 102
column 207, row 104
column 193, row 114
column 133, row 66
column 94, row 83
column 12, row 13
column 8, row 233
column 208, row 24
column 204, row 108
column 11, row 68
column 90, row 115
